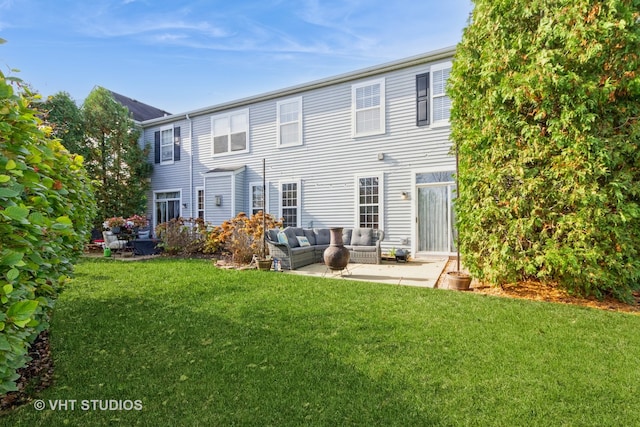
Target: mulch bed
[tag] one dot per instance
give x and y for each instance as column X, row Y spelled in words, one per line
column 537, row 291
column 35, row 377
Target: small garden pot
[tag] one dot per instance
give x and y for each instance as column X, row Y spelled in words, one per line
column 264, row 264
column 458, row 281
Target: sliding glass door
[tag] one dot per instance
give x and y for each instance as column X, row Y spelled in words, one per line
column 436, row 219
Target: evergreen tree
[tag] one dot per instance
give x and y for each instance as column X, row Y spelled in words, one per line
column 546, row 103
column 114, row 158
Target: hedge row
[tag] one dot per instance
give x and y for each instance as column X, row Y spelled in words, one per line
column 46, row 208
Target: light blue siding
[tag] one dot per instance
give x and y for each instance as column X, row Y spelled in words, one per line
column 328, row 161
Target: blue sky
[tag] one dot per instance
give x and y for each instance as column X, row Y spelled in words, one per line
column 184, row 55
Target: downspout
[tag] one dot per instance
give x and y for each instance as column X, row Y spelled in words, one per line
column 190, row 164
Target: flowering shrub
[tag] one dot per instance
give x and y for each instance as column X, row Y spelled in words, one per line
column 116, row 221
column 241, row 236
column 135, row 221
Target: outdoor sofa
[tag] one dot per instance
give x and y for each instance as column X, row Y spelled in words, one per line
column 289, row 246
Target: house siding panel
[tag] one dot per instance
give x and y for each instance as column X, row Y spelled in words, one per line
column 218, row 186
column 326, row 163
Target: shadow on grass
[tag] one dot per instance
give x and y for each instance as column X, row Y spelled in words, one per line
column 195, row 368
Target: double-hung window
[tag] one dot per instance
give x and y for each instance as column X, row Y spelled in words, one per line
column 289, row 122
column 441, row 101
column 258, row 197
column 167, row 145
column 290, row 206
column 230, row 133
column 200, row 201
column 368, row 108
column 369, row 201
column 433, row 105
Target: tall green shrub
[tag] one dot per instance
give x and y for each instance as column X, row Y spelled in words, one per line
column 46, row 210
column 546, row 102
column 114, row 159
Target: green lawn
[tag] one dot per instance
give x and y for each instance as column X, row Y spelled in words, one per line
column 198, row 346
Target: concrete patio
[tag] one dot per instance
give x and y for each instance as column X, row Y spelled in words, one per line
column 418, row 272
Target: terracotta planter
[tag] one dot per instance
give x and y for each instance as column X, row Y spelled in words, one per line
column 458, row 281
column 336, row 256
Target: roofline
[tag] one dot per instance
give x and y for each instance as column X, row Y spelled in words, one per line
column 435, row 55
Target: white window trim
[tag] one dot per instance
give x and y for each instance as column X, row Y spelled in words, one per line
column 298, row 206
column 382, row 107
column 228, row 115
column 204, row 202
column 266, row 195
column 279, row 104
column 356, row 196
column 162, row 129
column 434, row 68
column 155, row 199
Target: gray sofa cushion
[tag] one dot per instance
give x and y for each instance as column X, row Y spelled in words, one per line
column 362, row 237
column 361, row 248
column 273, row 234
column 290, row 232
column 346, row 236
column 323, row 236
column 310, row 235
column 302, row 250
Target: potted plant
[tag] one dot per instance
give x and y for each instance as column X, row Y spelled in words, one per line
column 137, row 222
column 114, row 224
column 260, row 245
column 457, row 279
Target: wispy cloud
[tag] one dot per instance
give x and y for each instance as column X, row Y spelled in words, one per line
column 6, row 4
column 124, row 28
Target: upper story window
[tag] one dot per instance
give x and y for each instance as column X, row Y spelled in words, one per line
column 441, row 101
column 230, row 133
column 290, row 122
column 433, row 105
column 368, row 105
column 167, row 145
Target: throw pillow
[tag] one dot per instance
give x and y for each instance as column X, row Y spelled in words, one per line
column 143, row 234
column 282, row 238
column 303, row 241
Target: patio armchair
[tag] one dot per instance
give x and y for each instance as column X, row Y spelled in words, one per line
column 112, row 242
